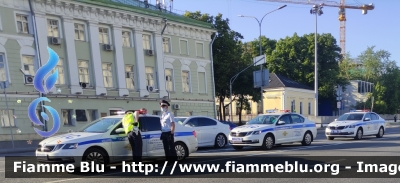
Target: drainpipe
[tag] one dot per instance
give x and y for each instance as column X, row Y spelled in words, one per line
column 38, row 54
column 212, row 75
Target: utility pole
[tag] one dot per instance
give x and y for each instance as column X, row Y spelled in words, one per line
column 317, row 10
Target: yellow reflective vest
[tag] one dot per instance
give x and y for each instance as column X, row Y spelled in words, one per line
column 128, row 121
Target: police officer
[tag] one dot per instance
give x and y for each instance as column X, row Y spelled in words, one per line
column 168, row 130
column 135, row 139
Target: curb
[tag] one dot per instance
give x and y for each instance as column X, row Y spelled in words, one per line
column 18, row 150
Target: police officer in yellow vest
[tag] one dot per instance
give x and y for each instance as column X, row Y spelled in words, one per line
column 130, row 123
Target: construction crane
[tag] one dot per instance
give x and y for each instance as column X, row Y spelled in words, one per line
column 342, row 13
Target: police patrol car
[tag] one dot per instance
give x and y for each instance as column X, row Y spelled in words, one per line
column 105, row 141
column 267, row 130
column 356, row 125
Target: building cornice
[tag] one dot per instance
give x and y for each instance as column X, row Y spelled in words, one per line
column 108, row 15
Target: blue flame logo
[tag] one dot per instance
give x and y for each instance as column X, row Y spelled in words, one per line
column 44, row 86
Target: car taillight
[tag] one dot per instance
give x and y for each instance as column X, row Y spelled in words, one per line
column 194, row 134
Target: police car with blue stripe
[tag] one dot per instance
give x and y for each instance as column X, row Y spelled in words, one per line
column 105, row 141
column 356, row 124
column 267, row 130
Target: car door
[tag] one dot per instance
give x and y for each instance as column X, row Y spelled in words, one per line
column 194, row 123
column 376, row 122
column 284, row 133
column 368, row 123
column 120, row 145
column 208, row 129
column 151, row 134
column 298, row 127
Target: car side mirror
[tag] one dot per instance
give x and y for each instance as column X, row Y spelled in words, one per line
column 281, row 123
column 367, row 119
column 119, row 131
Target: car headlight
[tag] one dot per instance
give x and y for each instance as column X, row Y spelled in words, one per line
column 350, row 126
column 71, row 146
column 256, row 132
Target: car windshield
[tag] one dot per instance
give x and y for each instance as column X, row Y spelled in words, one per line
column 101, row 125
column 179, row 120
column 264, row 119
column 351, row 117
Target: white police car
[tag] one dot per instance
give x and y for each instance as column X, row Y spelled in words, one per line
column 356, row 125
column 104, row 141
column 267, row 130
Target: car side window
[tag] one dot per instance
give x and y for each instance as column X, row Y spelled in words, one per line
column 297, row 119
column 150, row 124
column 286, row 119
column 374, row 116
column 367, row 116
column 206, row 122
column 193, row 122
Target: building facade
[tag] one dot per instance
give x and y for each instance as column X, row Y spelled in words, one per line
column 356, row 91
column 112, row 57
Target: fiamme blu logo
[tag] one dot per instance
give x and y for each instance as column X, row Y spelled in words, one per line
column 44, row 86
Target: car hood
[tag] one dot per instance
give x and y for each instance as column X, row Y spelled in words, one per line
column 343, row 123
column 75, row 137
column 248, row 128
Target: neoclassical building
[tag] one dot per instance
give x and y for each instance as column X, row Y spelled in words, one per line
column 112, row 57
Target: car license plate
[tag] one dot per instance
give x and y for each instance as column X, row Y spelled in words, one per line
column 236, row 140
column 335, row 131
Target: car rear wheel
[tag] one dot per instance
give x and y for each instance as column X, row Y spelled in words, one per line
column 380, row 133
column 220, row 141
column 307, row 139
column 268, row 142
column 181, row 151
column 359, row 134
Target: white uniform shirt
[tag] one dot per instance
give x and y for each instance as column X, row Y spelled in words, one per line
column 166, row 119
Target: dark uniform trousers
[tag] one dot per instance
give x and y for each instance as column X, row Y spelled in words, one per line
column 169, row 146
column 137, row 145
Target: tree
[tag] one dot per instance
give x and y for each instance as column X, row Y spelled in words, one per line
column 225, row 54
column 294, row 58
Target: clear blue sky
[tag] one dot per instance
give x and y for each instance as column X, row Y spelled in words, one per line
column 379, row 27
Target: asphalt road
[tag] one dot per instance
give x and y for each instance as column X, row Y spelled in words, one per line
column 369, row 146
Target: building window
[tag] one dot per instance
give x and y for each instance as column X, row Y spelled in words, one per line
column 199, row 49
column 22, row 24
column 168, row 80
column 185, row 81
column 309, row 108
column 67, row 117
column 126, row 39
column 107, row 75
column 83, row 70
column 149, row 76
column 79, row 32
column 167, row 45
column 146, row 42
column 293, row 107
column 92, row 115
column 129, row 77
column 52, row 28
column 3, row 72
column 29, row 66
column 202, row 82
column 81, row 115
column 7, row 118
column 301, row 107
column 103, row 35
column 60, row 79
column 184, row 47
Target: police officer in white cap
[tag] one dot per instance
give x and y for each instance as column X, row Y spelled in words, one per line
column 168, row 130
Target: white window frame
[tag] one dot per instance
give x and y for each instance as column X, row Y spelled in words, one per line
column 112, row 74
column 169, row 43
column 190, row 79
column 108, row 34
column 6, row 69
column 22, row 62
column 130, row 38
column 59, row 28
column 63, row 73
column 88, row 69
column 10, row 117
column 132, row 72
column 22, row 23
column 180, row 46
column 172, row 79
column 202, row 54
column 154, row 80
column 150, row 41
column 30, row 28
column 201, row 69
column 85, row 31
column 69, row 116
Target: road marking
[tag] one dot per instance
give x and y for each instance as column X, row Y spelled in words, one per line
column 336, row 161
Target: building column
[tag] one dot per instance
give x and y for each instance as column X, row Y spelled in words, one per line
column 41, row 26
column 71, row 55
column 140, row 67
column 160, row 65
column 96, row 58
column 119, row 59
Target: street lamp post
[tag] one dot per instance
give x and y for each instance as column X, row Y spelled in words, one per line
column 317, row 10
column 261, row 66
